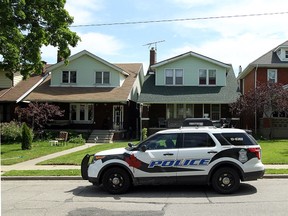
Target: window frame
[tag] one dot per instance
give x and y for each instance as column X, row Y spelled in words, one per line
column 70, row 76
column 268, row 75
column 175, row 78
column 103, row 78
column 207, row 80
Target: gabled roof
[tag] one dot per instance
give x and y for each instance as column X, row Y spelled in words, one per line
column 176, row 58
column 152, row 94
column 85, row 52
column 46, row 93
column 22, row 89
column 269, row 59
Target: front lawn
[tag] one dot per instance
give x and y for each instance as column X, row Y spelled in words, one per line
column 12, row 153
column 274, row 151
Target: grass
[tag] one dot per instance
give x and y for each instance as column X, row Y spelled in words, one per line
column 69, row 172
column 274, row 151
column 12, row 153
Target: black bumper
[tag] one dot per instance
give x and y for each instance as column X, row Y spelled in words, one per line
column 250, row 176
column 84, row 166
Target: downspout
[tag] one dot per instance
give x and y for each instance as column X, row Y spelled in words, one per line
column 255, row 112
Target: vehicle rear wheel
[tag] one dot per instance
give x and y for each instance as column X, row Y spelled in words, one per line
column 116, row 181
column 226, row 180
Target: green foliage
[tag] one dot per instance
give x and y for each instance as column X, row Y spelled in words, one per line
column 27, row 137
column 25, row 26
column 68, row 172
column 37, row 115
column 11, row 132
column 77, row 140
column 144, row 133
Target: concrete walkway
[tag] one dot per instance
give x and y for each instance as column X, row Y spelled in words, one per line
column 31, row 164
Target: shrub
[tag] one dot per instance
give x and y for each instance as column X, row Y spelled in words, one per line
column 11, row 132
column 144, row 133
column 77, row 140
column 27, row 137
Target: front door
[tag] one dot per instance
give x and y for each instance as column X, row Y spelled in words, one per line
column 118, row 114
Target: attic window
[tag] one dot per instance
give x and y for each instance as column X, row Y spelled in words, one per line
column 207, row 77
column 69, row 76
column 102, row 77
column 173, row 76
column 286, row 54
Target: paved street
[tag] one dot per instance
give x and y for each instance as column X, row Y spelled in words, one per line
column 262, row 197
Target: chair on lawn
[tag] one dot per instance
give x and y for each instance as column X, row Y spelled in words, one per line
column 63, row 137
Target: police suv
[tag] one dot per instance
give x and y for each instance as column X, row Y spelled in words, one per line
column 196, row 153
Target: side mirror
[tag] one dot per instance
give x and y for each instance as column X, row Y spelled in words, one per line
column 143, row 148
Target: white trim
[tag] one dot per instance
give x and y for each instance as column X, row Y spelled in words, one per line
column 32, row 88
column 272, row 70
column 173, row 76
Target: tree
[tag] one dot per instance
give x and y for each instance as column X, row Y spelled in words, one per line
column 25, row 26
column 27, row 137
column 37, row 115
column 265, row 100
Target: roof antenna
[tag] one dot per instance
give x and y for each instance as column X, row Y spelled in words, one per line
column 154, row 44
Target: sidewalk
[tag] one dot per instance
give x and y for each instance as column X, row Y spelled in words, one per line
column 31, row 164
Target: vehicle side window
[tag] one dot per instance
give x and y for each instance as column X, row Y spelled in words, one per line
column 161, row 141
column 222, row 140
column 197, row 140
column 239, row 139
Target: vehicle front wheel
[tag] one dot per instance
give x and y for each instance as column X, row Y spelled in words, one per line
column 226, row 180
column 116, row 181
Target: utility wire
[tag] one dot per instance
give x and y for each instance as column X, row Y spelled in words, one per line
column 180, row 20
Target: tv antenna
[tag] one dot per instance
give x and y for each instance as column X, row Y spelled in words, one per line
column 154, row 44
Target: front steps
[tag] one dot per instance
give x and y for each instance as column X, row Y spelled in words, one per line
column 101, row 136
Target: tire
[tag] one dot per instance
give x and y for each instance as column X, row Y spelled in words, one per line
column 116, row 181
column 225, row 180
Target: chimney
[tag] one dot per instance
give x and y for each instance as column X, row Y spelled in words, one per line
column 152, row 60
column 44, row 67
column 152, row 56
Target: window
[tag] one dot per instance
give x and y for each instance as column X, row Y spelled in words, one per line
column 161, row 141
column 212, row 77
column 286, row 54
column 82, row 113
column 272, row 75
column 102, row 77
column 198, row 140
column 69, row 77
column 202, row 76
column 173, row 76
column 179, row 111
column 207, row 77
column 239, row 139
column 215, row 111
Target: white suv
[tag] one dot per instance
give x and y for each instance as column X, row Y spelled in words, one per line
column 220, row 157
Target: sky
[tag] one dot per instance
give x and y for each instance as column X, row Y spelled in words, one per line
column 237, row 41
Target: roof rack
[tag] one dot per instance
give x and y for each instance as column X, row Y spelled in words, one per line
column 197, row 122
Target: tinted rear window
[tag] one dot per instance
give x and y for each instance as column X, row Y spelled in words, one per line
column 239, row 139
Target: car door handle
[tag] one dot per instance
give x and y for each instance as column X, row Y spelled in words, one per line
column 212, row 152
column 168, row 154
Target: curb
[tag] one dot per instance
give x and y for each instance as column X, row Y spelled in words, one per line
column 20, row 178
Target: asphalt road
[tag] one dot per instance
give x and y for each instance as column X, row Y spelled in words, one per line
column 79, row 197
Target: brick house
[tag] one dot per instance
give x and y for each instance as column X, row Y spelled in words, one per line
column 270, row 67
